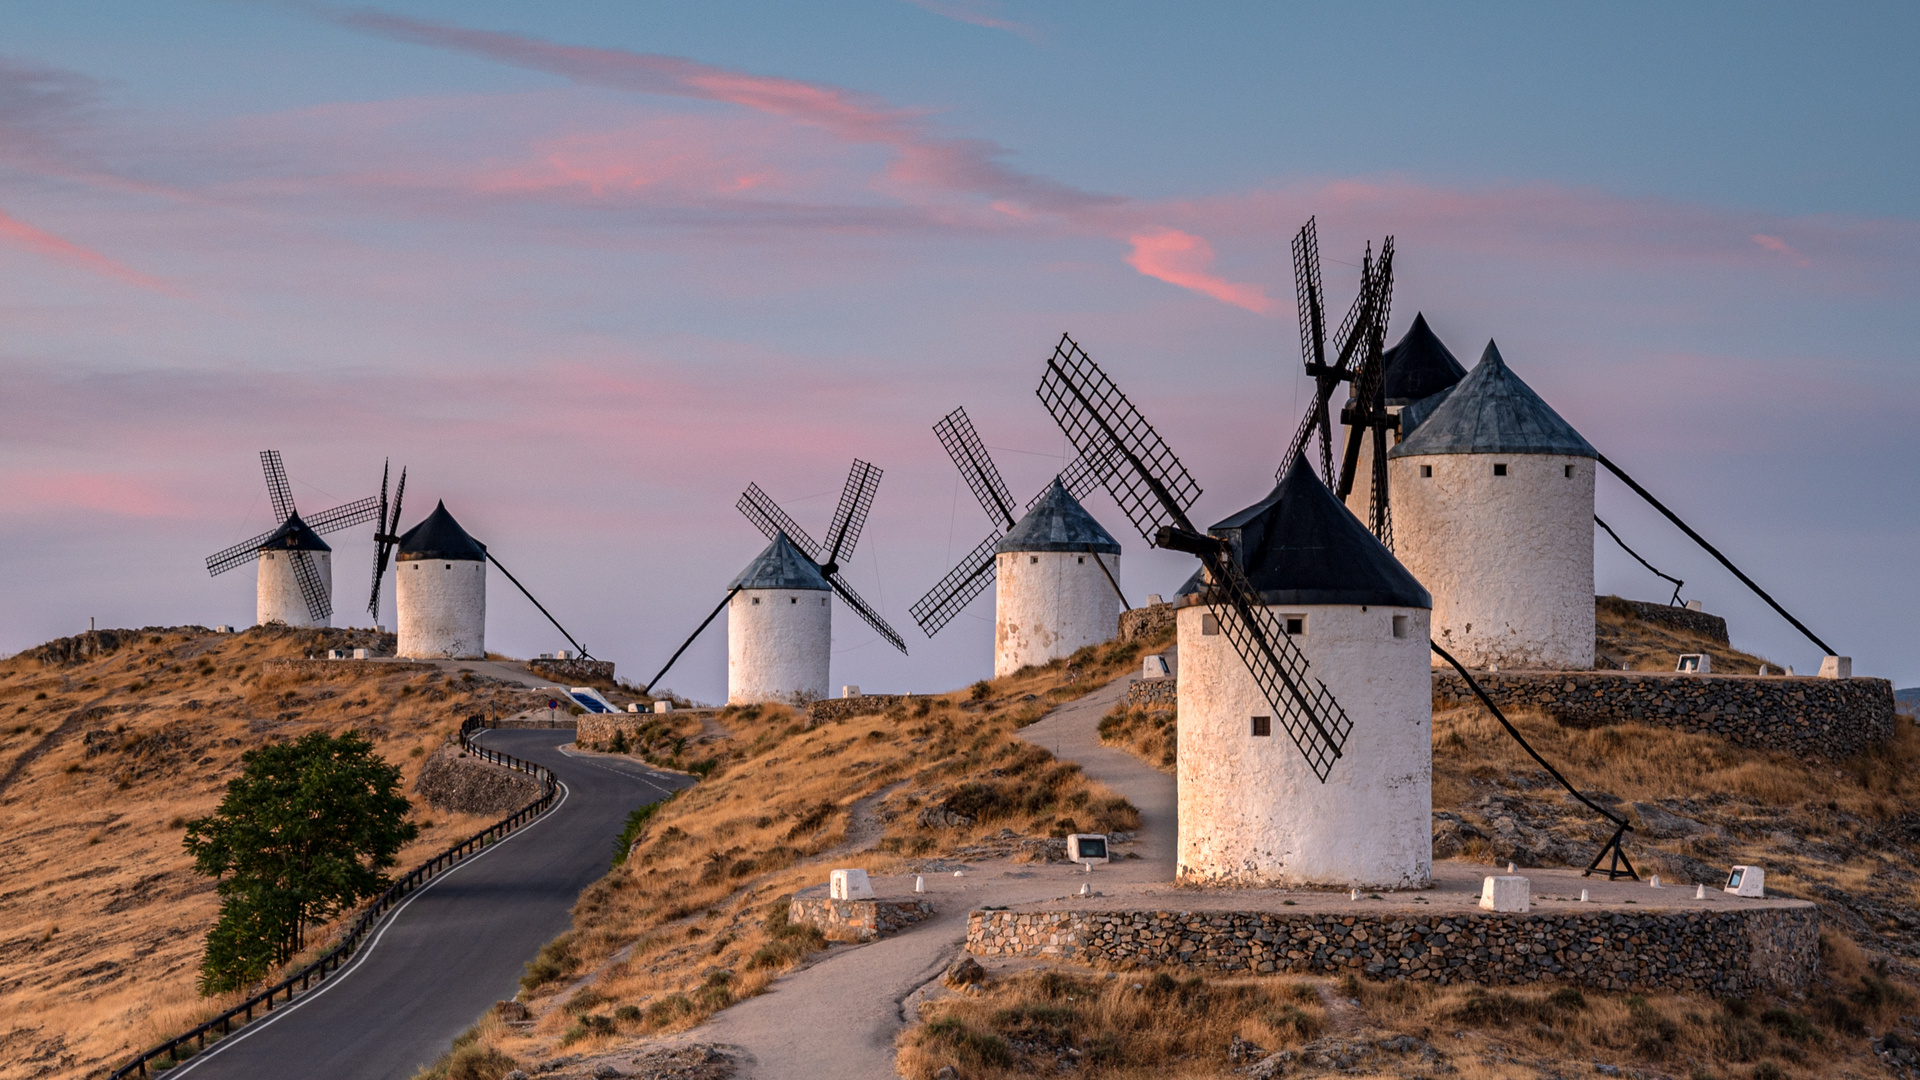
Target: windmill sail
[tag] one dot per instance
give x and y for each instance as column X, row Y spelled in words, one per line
column 1155, row 490
column 856, row 498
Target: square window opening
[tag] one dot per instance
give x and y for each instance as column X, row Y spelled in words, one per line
column 1262, row 726
column 1296, row 625
column 1426, row 471
column 1083, row 560
column 1209, row 625
column 1569, row 474
column 793, row 599
column 1499, row 468
column 756, row 600
column 1400, row 624
column 1031, row 559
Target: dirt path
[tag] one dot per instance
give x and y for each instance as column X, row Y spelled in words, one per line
column 838, row 1016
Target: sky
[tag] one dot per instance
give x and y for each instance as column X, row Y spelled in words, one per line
column 588, row 269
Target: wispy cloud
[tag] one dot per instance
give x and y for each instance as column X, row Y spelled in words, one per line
column 981, row 13
column 1182, row 259
column 1779, row 247
column 24, row 236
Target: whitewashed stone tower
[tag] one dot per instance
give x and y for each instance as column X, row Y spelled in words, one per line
column 1056, row 584
column 440, row 591
column 279, row 598
column 1252, row 812
column 1493, row 512
column 1419, row 368
column 779, row 629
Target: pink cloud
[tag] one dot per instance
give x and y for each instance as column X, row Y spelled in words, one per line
column 110, row 493
column 976, row 13
column 40, row 242
column 1181, row 258
column 1779, row 247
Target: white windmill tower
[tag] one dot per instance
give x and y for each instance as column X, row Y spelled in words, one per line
column 1250, row 813
column 779, row 622
column 296, row 567
column 1055, row 570
column 1302, row 625
column 1494, row 495
column 440, row 591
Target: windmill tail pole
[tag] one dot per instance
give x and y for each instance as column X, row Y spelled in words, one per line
column 651, row 683
column 1524, row 745
column 1677, row 583
column 1825, row 649
column 1112, row 582
column 556, row 622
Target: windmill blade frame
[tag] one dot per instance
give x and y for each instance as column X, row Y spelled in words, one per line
column 850, row 516
column 345, row 516
column 962, row 443
column 865, row 611
column 238, row 555
column 279, row 489
column 968, row 579
column 767, row 516
column 1155, row 489
column 312, row 589
column 386, row 536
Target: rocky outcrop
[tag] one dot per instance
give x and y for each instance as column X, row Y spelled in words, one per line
column 1831, row 718
column 1146, row 623
column 573, row 672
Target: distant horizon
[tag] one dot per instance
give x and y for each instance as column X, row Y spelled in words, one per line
column 589, row 270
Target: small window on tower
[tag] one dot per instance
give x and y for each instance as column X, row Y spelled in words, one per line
column 756, row 600
column 1209, row 625
column 1569, row 469
column 1296, row 624
column 1499, row 468
column 793, row 599
column 1426, row 471
column 823, row 601
column 1262, row 726
column 1033, row 558
column 1083, row 560
column 449, row 566
column 1399, row 626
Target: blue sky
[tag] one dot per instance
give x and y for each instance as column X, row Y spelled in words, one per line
column 589, row 269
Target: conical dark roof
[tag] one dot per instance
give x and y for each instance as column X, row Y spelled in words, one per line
column 780, row 566
column 440, row 537
column 293, row 535
column 1058, row 523
column 1492, row 412
column 1419, row 365
column 1299, row 545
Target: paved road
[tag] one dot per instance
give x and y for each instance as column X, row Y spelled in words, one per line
column 457, row 946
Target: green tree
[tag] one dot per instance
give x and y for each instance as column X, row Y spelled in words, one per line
column 304, row 833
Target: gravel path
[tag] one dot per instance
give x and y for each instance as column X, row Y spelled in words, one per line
column 839, row 1015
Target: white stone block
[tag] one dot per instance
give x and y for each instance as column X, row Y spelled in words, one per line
column 849, row 885
column 662, row 706
column 1153, row 599
column 336, row 654
column 849, row 691
column 1747, row 881
column 1693, row 605
column 1155, row 667
column 1694, row 663
column 1836, row 667
column 223, row 629
column 1506, row 893
column 633, row 706
column 1087, row 848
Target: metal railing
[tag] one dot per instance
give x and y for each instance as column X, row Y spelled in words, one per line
column 177, row 1049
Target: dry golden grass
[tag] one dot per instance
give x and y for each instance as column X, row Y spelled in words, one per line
column 696, row 917
column 101, row 915
column 1150, row 734
column 1620, row 636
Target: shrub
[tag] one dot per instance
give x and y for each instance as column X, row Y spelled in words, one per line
column 636, row 825
column 971, row 1047
column 555, row 961
column 979, row 692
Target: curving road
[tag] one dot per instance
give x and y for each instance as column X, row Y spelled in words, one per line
column 456, row 946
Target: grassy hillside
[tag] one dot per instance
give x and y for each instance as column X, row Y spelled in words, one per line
column 109, row 743
column 695, row 918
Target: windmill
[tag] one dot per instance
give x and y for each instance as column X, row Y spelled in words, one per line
column 297, row 564
column 794, row 562
column 975, row 571
column 1155, row 490
column 1358, row 360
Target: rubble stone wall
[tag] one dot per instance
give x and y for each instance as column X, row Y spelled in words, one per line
column 573, row 671
column 1832, row 718
column 1146, row 623
column 1154, row 693
column 856, row 920
column 826, row 710
column 1673, row 618
column 1724, row 953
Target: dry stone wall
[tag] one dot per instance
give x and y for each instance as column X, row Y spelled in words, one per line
column 856, row 920
column 1833, row 718
column 1673, row 618
column 1146, row 623
column 1154, row 693
column 1724, row 953
column 828, row 710
column 573, row 671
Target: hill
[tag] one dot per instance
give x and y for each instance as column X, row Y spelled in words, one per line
column 109, row 743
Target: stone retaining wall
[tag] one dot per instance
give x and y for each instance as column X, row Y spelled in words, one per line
column 1673, row 618
column 842, row 708
column 856, row 920
column 573, row 671
column 1154, row 693
column 1146, row 622
column 323, row 667
column 1725, row 953
column 1832, row 718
